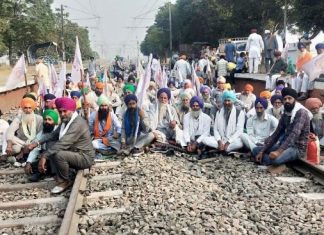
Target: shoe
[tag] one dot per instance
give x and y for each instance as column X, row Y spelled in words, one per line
column 36, row 177
column 61, row 187
column 159, row 150
column 137, row 152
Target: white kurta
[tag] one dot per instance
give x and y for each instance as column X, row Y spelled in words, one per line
column 254, row 45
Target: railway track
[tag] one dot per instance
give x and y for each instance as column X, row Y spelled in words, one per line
column 58, row 214
column 310, row 170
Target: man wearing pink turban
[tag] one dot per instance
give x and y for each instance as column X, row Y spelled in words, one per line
column 73, row 147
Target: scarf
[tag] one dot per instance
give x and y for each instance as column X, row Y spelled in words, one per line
column 297, row 107
column 103, row 134
column 64, row 128
column 228, row 130
column 130, row 122
column 29, row 130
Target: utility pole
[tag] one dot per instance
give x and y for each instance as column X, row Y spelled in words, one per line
column 285, row 22
column 170, row 27
column 62, row 34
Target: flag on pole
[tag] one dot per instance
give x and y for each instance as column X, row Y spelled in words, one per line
column 158, row 76
column 139, row 69
column 17, row 74
column 53, row 76
column 105, row 81
column 315, row 67
column 77, row 67
column 164, row 78
column 60, row 85
column 195, row 81
column 143, row 83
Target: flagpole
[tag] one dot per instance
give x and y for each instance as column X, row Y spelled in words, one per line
column 26, row 84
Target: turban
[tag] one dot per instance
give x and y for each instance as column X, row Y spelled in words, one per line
column 130, row 97
column 201, row 80
column 275, row 97
column 103, row 100
column 279, row 88
column 198, row 100
column 227, row 86
column 265, row 94
column 129, row 87
column 171, row 82
column 184, row 95
column 65, row 103
column 187, row 81
column 85, row 90
column 75, row 93
column 52, row 114
column 49, row 97
column 301, row 45
column 31, row 95
column 164, row 90
column 28, row 101
column 152, row 84
column 319, row 46
column 221, row 79
column 248, row 87
column 100, row 85
column 289, row 91
column 229, row 95
column 203, row 89
column 261, row 101
column 313, row 103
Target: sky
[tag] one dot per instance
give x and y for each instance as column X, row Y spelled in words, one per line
column 114, row 26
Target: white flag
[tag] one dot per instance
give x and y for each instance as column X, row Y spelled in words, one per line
column 105, row 81
column 60, row 85
column 77, row 67
column 164, row 78
column 53, row 77
column 315, row 67
column 158, row 76
column 143, row 83
column 195, row 81
column 17, row 74
column 139, row 69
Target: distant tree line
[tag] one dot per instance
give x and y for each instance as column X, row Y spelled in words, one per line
column 210, row 20
column 27, row 22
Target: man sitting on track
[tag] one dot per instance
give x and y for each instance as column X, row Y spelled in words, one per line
column 23, row 129
column 105, row 128
column 50, row 123
column 196, row 125
column 228, row 127
column 135, row 119
column 260, row 126
column 289, row 141
column 73, row 147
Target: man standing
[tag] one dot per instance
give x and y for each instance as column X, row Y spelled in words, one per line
column 260, row 126
column 289, row 141
column 270, row 47
column 228, row 127
column 230, row 51
column 196, row 125
column 254, row 47
column 221, row 67
column 135, row 116
column 23, row 128
column 105, row 127
column 183, row 70
column 279, row 68
column 72, row 149
column 42, row 76
column 92, row 68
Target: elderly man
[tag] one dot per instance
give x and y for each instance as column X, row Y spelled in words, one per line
column 135, row 118
column 72, row 149
column 164, row 118
column 105, row 128
column 3, row 129
column 289, row 141
column 260, row 126
column 184, row 106
column 228, row 127
column 247, row 98
column 23, row 128
column 217, row 93
column 208, row 106
column 314, row 105
column 50, row 123
column 276, row 110
column 196, row 125
column 254, row 47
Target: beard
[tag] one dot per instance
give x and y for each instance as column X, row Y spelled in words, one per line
column 48, row 128
column 289, row 107
column 162, row 111
column 103, row 114
column 184, row 108
column 98, row 93
column 276, row 111
column 28, row 118
column 195, row 114
column 317, row 116
column 260, row 114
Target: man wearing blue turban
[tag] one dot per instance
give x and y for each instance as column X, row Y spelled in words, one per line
column 228, row 127
column 260, row 126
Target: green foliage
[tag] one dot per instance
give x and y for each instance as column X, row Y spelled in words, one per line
column 27, row 22
column 210, row 20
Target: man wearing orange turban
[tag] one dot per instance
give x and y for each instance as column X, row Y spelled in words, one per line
column 247, row 98
column 99, row 88
column 23, row 128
